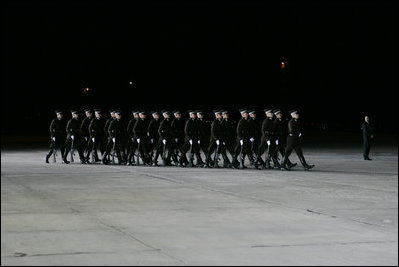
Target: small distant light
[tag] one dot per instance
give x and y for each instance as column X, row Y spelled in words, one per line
column 86, row 89
column 282, row 65
column 130, row 83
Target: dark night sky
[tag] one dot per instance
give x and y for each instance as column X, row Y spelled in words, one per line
column 342, row 57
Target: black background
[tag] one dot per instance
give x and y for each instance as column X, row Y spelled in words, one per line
column 342, row 59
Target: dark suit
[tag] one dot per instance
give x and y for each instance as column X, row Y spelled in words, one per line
column 367, row 130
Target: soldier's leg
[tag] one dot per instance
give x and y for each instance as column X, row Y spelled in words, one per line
column 273, row 154
column 158, row 151
column 68, row 144
column 204, row 148
column 299, row 152
column 52, row 147
column 281, row 148
column 237, row 152
column 210, row 150
column 108, row 147
column 261, row 150
column 79, row 147
column 226, row 161
column 288, row 150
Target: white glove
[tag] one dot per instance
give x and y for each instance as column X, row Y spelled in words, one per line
column 277, row 142
column 85, row 138
column 73, row 137
column 199, row 141
column 164, row 141
column 138, row 140
column 176, row 140
column 217, row 142
column 113, row 139
column 93, row 139
column 224, row 143
column 152, row 140
column 251, row 139
column 268, row 142
column 148, row 133
column 299, row 135
column 191, row 141
column 241, row 142
column 53, row 139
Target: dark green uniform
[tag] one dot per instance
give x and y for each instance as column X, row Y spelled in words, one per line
column 108, row 140
column 131, row 145
column 255, row 138
column 57, row 133
column 204, row 137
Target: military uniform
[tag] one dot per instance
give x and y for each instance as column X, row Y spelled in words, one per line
column 140, row 139
column 217, row 142
column 73, row 140
column 115, row 132
column 191, row 145
column 255, row 136
column 294, row 143
column 229, row 133
column 178, row 137
column 84, row 128
column 165, row 138
column 268, row 142
column 108, row 141
column 131, row 144
column 153, row 134
column 97, row 136
column 280, row 138
column 57, row 134
column 243, row 145
column 204, row 136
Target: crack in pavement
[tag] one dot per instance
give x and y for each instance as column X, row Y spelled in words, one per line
column 323, row 244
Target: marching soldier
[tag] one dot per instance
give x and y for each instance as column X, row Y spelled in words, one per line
column 97, row 136
column 109, row 143
column 84, row 128
column 73, row 140
column 131, row 145
column 255, row 135
column 217, row 142
column 115, row 132
column 229, row 130
column 140, row 138
column 243, row 143
column 294, row 142
column 178, row 135
column 204, row 136
column 267, row 142
column 165, row 138
column 191, row 145
column 57, row 133
column 368, row 135
column 280, row 137
column 152, row 131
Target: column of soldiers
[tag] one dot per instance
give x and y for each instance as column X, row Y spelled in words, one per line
column 177, row 141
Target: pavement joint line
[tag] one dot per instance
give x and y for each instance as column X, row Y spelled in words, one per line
column 325, row 244
column 254, row 198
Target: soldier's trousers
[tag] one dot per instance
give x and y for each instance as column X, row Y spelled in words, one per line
column 243, row 149
column 281, row 148
column 222, row 151
column 230, row 146
column 59, row 143
column 119, row 149
column 193, row 149
column 271, row 150
column 165, row 150
column 75, row 146
column 94, row 146
column 142, row 147
column 293, row 143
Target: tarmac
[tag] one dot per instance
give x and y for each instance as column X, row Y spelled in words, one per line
column 342, row 212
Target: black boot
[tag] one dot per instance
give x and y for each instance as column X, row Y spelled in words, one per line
column 304, row 164
column 259, row 162
column 47, row 157
column 155, row 161
column 284, row 164
column 242, row 160
column 65, row 160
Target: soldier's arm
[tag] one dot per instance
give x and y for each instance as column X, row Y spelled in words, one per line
column 52, row 128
